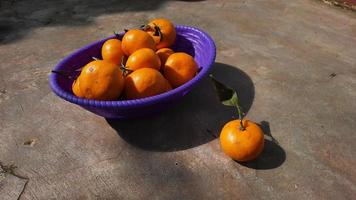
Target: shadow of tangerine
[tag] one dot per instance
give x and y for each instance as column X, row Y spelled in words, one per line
column 273, row 154
column 195, row 120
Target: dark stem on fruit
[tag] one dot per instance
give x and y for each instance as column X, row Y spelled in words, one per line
column 117, row 34
column 145, row 27
column 158, row 32
column 125, row 70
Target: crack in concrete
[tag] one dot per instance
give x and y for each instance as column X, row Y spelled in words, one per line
column 21, row 108
column 23, row 189
column 10, row 169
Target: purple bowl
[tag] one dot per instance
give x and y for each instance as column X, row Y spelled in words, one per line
column 190, row 40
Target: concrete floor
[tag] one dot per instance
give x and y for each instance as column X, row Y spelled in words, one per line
column 293, row 63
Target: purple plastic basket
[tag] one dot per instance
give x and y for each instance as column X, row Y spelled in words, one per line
column 190, row 40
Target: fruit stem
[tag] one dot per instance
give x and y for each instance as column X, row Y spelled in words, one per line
column 242, row 127
column 116, row 34
column 125, row 70
column 158, row 32
column 145, row 27
column 156, row 28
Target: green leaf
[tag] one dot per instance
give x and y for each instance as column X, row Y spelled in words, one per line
column 227, row 95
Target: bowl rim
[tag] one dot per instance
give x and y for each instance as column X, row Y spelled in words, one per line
column 124, row 104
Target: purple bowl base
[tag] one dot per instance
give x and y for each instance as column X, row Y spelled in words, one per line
column 141, row 112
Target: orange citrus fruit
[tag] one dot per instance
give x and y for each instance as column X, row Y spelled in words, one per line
column 134, row 40
column 100, row 80
column 242, row 144
column 111, row 51
column 145, row 82
column 180, row 68
column 163, row 55
column 142, row 58
column 162, row 31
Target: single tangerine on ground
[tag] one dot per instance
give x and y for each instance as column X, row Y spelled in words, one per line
column 242, row 144
column 145, row 82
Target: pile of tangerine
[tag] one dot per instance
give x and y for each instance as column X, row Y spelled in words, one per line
column 142, row 64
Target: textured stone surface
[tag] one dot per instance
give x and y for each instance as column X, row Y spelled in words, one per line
column 293, row 63
column 347, row 4
column 11, row 186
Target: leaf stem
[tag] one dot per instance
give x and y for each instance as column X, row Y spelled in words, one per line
column 228, row 97
column 242, row 127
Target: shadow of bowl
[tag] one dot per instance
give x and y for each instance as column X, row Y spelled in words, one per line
column 196, row 120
